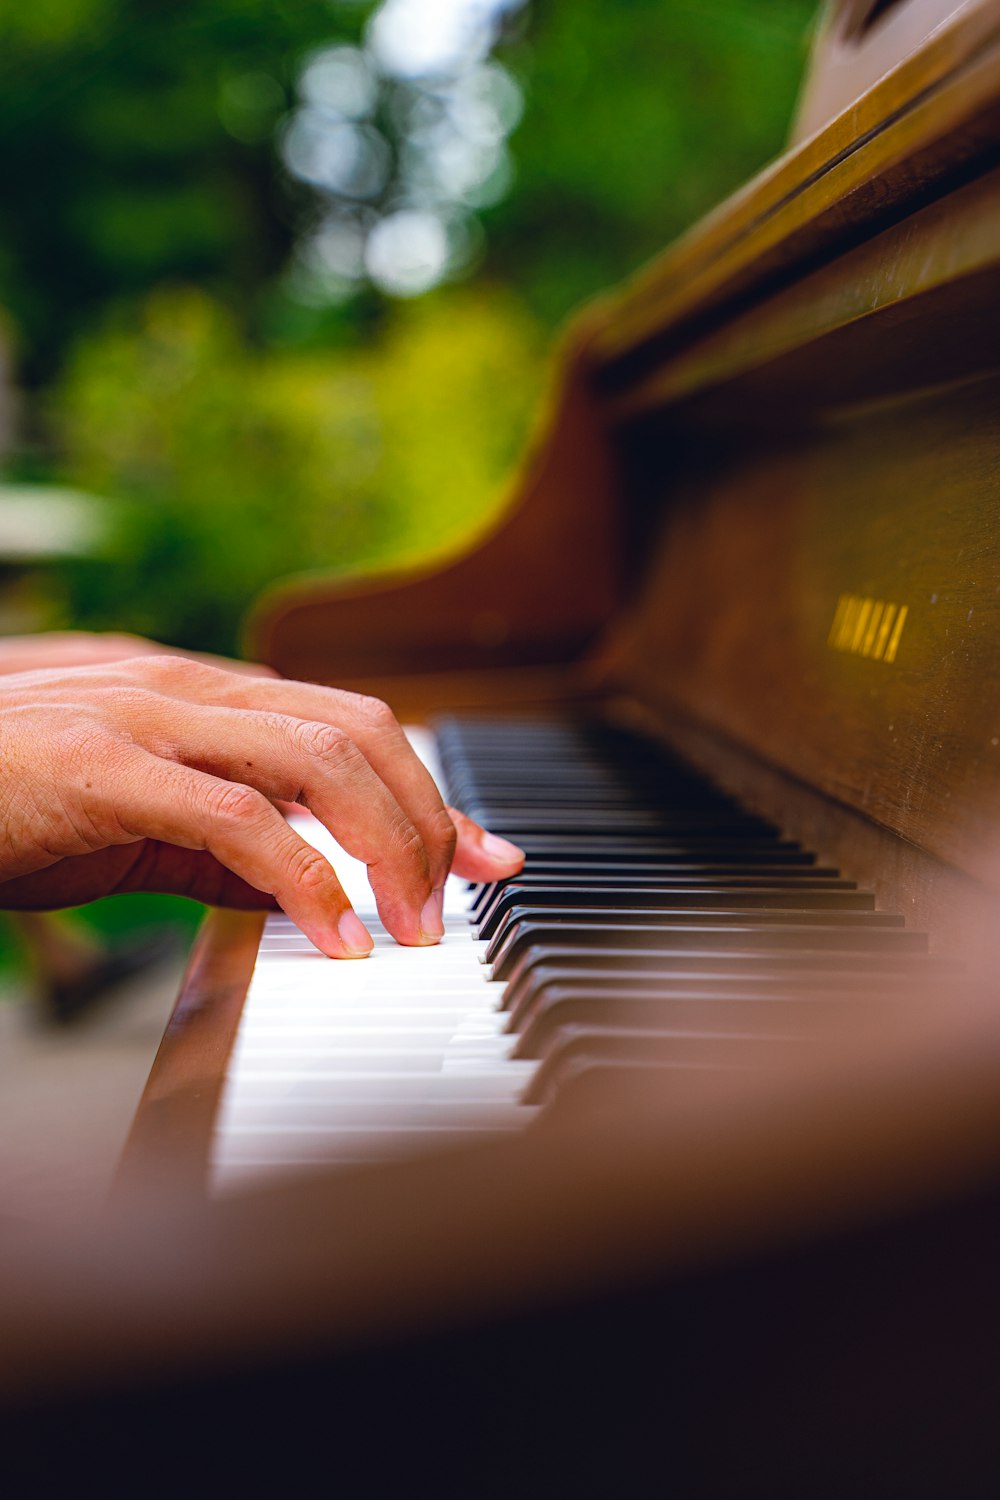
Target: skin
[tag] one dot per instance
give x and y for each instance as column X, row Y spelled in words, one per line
column 128, row 769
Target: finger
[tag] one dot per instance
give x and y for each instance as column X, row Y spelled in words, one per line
column 236, row 824
column 195, row 873
column 371, row 725
column 482, row 856
column 319, row 766
column 376, row 732
column 381, row 738
column 142, row 866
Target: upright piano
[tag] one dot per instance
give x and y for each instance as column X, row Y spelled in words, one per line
column 725, row 1220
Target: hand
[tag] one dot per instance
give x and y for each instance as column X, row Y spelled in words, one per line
column 82, row 648
column 160, row 773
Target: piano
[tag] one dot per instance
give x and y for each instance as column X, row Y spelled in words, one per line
column 683, row 1175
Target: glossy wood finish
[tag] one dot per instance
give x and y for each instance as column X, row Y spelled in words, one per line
column 858, row 43
column 893, row 503
column 169, row 1141
column 911, row 307
column 794, row 417
column 914, row 135
column 956, row 911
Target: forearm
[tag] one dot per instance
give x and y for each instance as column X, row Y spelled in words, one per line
column 81, row 648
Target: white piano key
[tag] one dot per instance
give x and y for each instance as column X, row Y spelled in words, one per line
column 400, row 1053
column 278, row 1084
column 383, row 1012
column 375, row 1112
column 339, row 1062
column 275, row 1154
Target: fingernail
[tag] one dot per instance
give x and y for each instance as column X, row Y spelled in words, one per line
column 432, row 917
column 354, row 934
column 500, row 849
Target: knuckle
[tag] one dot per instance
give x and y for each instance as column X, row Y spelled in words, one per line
column 233, row 804
column 375, row 714
column 442, row 835
column 152, row 666
column 406, row 841
column 128, row 703
column 85, row 745
column 309, row 870
column 326, row 742
column 176, row 671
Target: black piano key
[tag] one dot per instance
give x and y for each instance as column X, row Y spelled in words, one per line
column 719, row 1013
column 658, row 935
column 558, row 792
column 657, row 925
column 736, row 1006
column 706, row 962
column 546, row 984
column 519, row 822
column 578, row 1048
column 628, row 847
column 550, row 987
column 534, row 898
column 696, row 878
column 710, row 863
column 588, row 1087
column 666, row 915
column 678, row 870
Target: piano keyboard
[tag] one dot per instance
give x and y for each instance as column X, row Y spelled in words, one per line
column 353, row 1061
column 656, row 926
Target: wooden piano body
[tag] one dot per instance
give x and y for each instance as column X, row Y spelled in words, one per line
column 761, row 522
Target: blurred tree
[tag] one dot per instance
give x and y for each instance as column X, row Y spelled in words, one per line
column 638, row 119
column 136, row 142
column 248, row 425
column 236, row 465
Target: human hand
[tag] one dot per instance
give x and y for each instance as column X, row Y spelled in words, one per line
column 159, row 773
column 84, row 648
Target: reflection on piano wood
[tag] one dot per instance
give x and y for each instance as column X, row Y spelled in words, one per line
column 732, row 1286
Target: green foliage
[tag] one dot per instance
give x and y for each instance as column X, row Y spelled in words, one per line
column 247, row 434
column 236, row 464
column 638, row 120
column 133, row 155
column 137, row 147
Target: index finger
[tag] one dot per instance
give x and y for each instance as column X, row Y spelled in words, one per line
column 453, row 841
column 371, row 726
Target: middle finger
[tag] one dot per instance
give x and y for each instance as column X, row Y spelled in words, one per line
column 371, row 725
column 320, row 766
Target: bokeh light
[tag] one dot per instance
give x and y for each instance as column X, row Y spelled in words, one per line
column 407, row 252
column 414, row 123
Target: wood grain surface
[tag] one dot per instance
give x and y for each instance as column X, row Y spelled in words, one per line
column 169, row 1141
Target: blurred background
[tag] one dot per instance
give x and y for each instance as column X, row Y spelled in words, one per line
column 278, row 277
